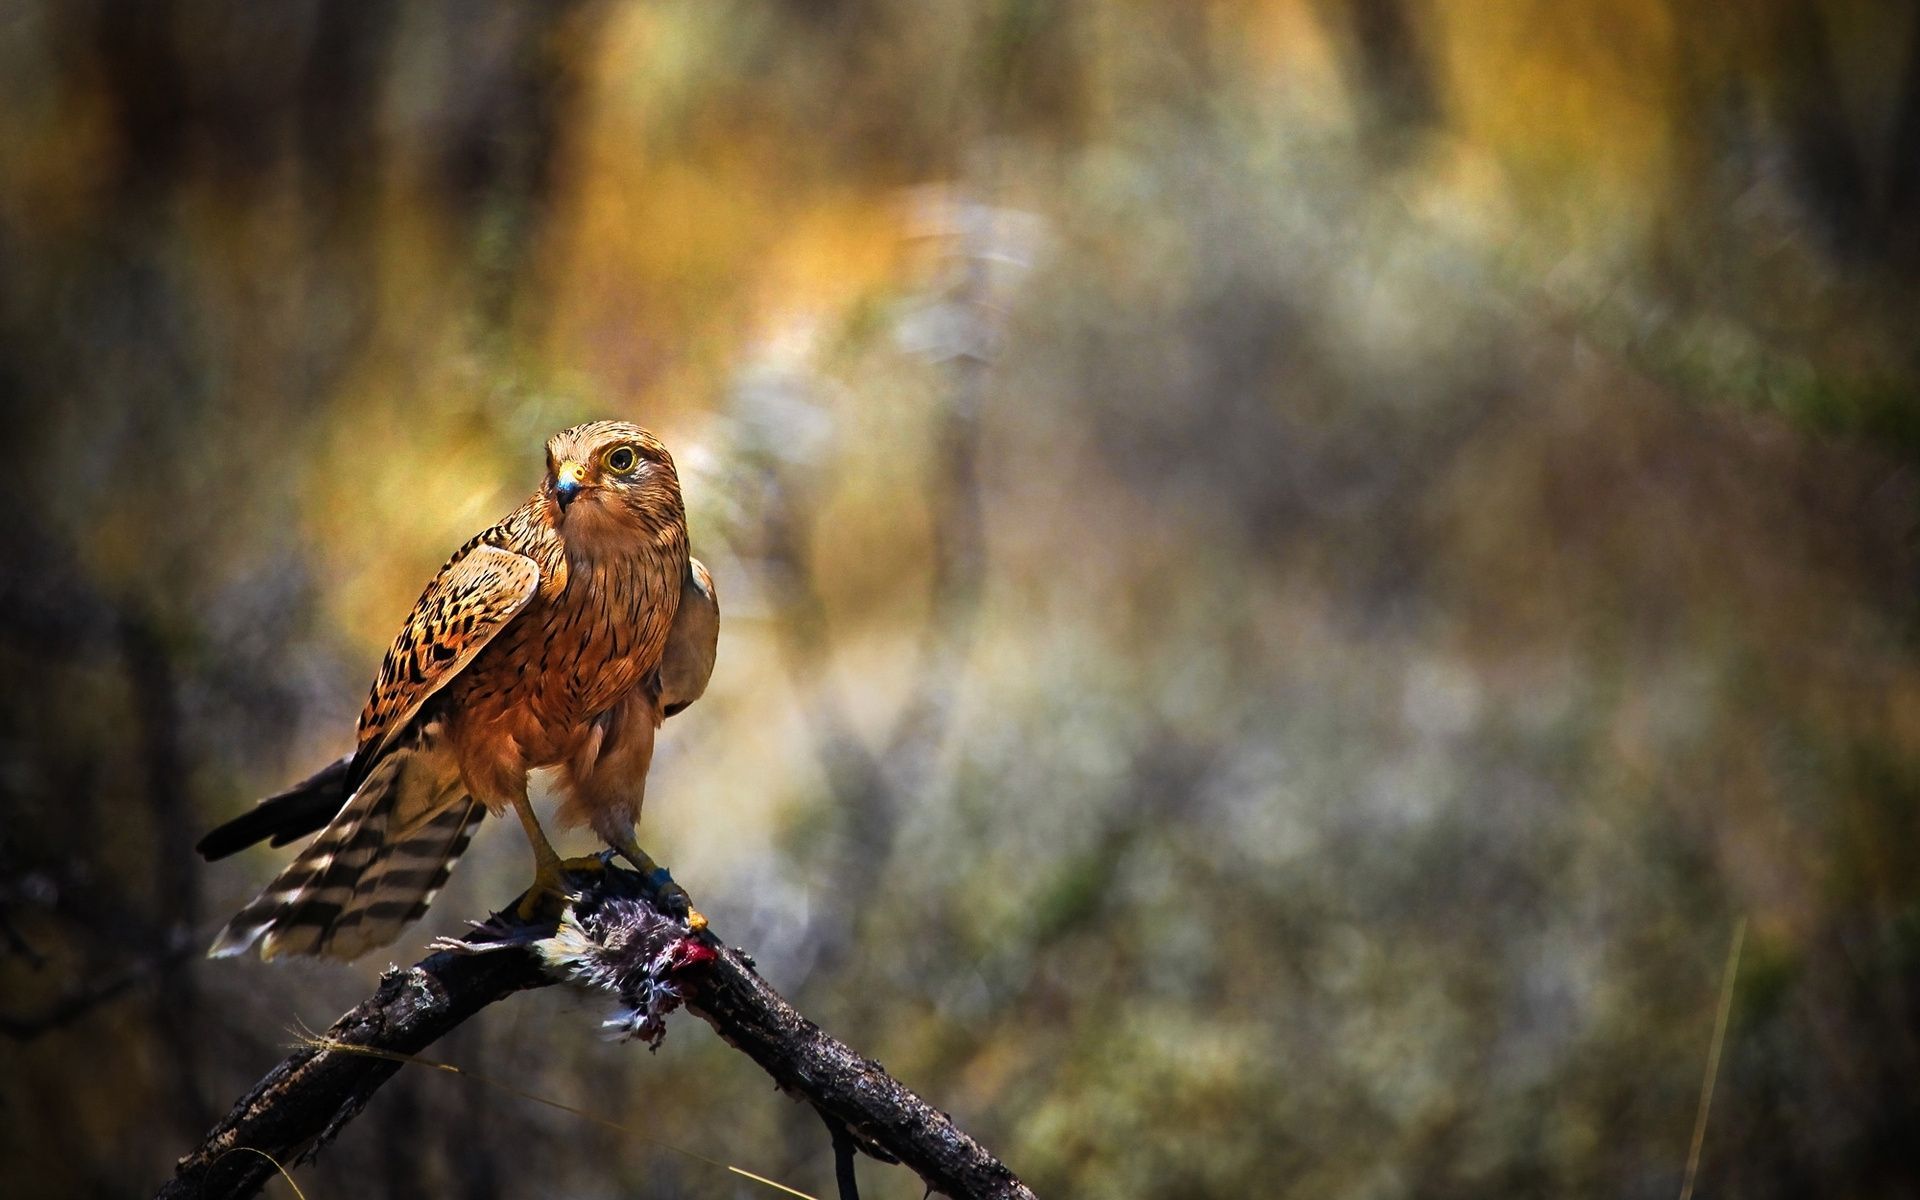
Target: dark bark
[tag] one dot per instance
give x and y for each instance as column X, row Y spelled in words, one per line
column 874, row 1106
column 314, row 1092
column 843, row 1150
column 616, row 939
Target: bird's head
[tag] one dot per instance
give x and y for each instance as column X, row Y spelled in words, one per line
column 609, row 481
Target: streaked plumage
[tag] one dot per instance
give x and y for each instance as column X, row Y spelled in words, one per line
column 561, row 636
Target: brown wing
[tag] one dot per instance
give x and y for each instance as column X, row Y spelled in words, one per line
column 687, row 662
column 466, row 604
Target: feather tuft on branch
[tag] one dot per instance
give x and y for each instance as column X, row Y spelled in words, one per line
column 611, row 939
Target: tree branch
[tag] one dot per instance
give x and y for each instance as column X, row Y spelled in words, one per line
column 843, row 1150
column 314, row 1092
column 611, row 937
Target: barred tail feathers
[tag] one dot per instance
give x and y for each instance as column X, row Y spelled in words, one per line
column 392, row 892
column 372, row 871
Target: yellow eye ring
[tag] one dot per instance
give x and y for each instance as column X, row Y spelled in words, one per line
column 621, row 459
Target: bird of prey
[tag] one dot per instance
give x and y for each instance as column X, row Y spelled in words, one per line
column 560, row 637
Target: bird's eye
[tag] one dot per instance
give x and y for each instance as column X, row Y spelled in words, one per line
column 621, row 459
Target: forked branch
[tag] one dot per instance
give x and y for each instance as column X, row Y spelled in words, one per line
column 612, row 937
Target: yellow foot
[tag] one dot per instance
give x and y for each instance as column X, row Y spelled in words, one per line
column 539, row 903
column 548, row 896
column 585, row 864
column 550, row 893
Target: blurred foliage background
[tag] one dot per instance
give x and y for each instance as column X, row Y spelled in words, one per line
column 1290, row 567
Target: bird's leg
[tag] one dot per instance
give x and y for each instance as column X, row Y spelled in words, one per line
column 670, row 894
column 549, row 872
column 609, row 788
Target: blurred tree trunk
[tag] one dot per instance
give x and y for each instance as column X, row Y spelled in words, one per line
column 1903, row 178
column 1391, row 74
column 176, row 876
column 1829, row 171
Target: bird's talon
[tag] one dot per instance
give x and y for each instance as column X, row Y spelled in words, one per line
column 660, row 887
column 675, row 900
column 544, row 901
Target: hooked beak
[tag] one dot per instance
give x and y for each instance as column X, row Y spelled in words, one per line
column 568, row 481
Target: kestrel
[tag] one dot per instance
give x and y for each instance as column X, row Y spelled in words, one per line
column 561, row 637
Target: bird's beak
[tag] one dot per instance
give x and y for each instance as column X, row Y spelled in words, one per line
column 568, row 481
